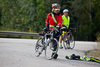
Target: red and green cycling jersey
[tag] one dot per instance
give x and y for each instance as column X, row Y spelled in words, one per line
column 53, row 20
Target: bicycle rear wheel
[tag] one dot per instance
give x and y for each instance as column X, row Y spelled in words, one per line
column 51, row 46
column 39, row 46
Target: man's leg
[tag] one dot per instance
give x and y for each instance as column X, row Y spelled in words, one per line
column 54, row 53
column 60, row 42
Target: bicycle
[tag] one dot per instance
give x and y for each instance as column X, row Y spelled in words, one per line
column 47, row 42
column 68, row 39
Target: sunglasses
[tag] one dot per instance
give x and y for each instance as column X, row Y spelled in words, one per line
column 57, row 10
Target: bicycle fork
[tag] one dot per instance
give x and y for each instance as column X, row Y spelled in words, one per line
column 68, row 37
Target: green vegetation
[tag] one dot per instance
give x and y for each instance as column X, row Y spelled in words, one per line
column 29, row 37
column 30, row 15
column 96, row 51
column 16, row 36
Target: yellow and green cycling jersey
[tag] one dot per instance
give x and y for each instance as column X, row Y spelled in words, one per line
column 66, row 22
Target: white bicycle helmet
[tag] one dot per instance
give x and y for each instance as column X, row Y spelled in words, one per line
column 65, row 10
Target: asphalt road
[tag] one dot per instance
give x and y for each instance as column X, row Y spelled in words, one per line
column 20, row 53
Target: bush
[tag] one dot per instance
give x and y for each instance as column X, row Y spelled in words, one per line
column 98, row 37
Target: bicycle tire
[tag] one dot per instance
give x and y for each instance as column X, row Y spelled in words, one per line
column 48, row 49
column 65, row 44
column 38, row 46
column 71, row 41
column 69, row 44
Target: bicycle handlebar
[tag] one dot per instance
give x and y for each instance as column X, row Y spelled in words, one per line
column 54, row 30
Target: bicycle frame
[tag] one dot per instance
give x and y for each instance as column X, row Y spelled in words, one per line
column 48, row 35
column 68, row 33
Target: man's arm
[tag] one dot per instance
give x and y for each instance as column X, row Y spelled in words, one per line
column 47, row 22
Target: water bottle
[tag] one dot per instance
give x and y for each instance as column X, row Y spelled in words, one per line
column 46, row 40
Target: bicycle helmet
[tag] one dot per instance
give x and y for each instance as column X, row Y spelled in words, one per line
column 65, row 10
column 55, row 6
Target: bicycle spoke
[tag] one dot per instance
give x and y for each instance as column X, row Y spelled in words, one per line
column 72, row 42
column 50, row 49
column 39, row 47
column 69, row 43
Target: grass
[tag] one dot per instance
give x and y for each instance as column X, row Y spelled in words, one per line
column 96, row 52
column 28, row 37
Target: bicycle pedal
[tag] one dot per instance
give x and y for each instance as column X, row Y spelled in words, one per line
column 39, row 54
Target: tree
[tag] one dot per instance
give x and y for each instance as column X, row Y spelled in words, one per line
column 17, row 14
column 30, row 15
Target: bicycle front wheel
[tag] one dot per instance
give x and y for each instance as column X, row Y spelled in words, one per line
column 51, row 49
column 65, row 44
column 39, row 46
column 71, row 41
column 65, row 41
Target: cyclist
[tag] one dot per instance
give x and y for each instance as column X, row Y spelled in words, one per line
column 54, row 21
column 65, row 23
